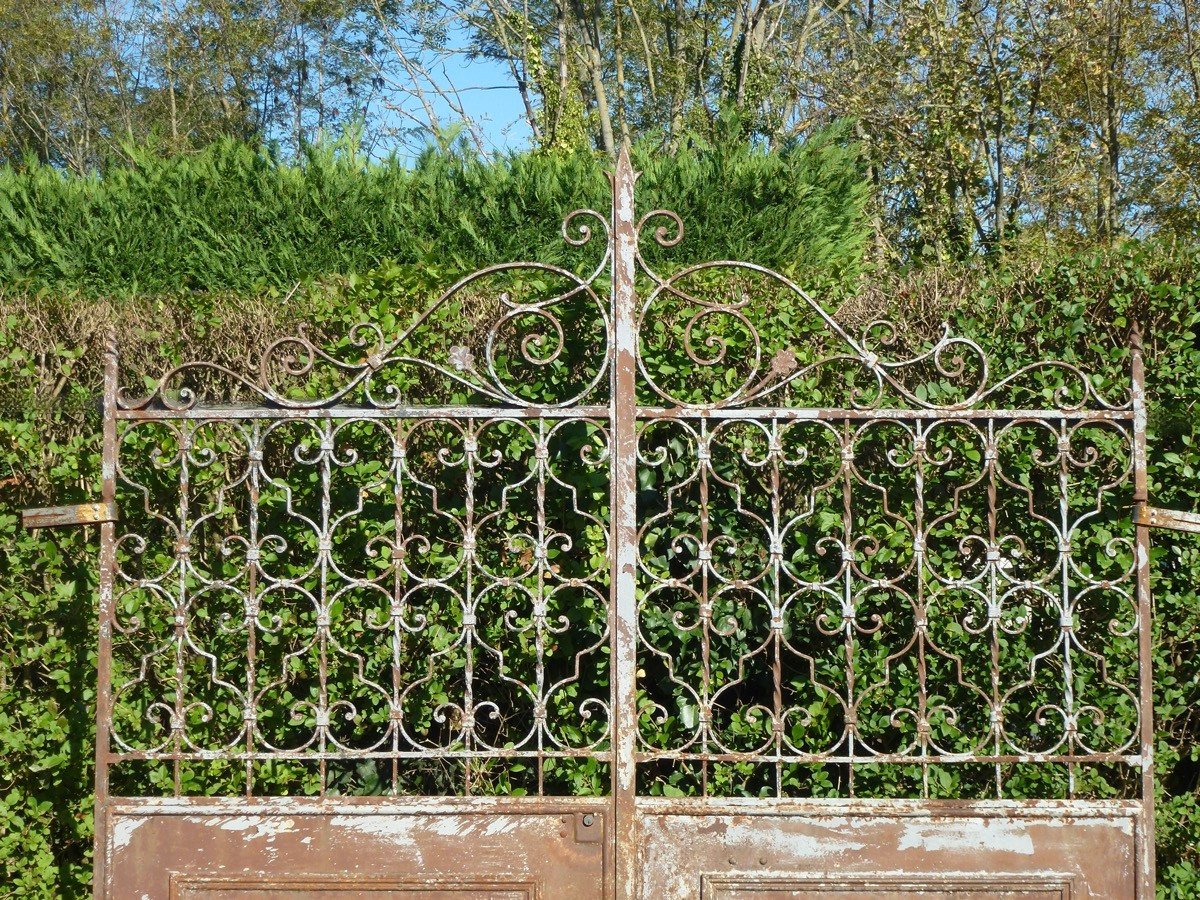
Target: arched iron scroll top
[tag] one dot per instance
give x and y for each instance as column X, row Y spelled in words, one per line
column 952, row 374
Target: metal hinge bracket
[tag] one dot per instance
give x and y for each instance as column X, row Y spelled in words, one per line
column 1174, row 519
column 62, row 516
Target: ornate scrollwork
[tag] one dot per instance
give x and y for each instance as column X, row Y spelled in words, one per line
column 858, row 563
column 739, row 334
column 531, row 317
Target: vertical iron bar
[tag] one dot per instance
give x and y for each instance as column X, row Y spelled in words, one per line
column 108, row 560
column 542, row 563
column 250, row 711
column 1066, row 610
column 921, row 625
column 1145, row 848
column 183, row 549
column 996, row 713
column 623, row 546
column 849, row 603
column 324, row 552
column 777, row 601
column 704, row 448
column 399, row 453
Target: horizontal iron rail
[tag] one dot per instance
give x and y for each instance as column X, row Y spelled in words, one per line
column 318, row 755
column 238, row 411
column 668, row 806
column 235, row 411
column 863, row 759
column 866, row 759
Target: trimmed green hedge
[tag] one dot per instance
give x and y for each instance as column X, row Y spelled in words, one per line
column 233, row 217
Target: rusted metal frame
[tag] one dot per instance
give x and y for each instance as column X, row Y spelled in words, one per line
column 108, row 555
column 324, row 548
column 338, row 804
column 921, row 611
column 1062, row 432
column 767, row 806
column 317, row 755
column 469, row 463
column 323, row 458
column 839, row 414
column 849, row 616
column 857, row 806
column 1169, row 519
column 539, row 610
column 238, row 412
column 783, row 413
column 623, row 529
column 397, row 632
column 864, row 758
column 990, row 455
column 67, row 516
column 182, row 555
column 1065, row 617
column 623, row 415
column 777, row 603
column 249, row 713
column 704, row 450
column 1145, row 836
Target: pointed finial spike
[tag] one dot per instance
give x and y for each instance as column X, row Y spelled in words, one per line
column 1135, row 337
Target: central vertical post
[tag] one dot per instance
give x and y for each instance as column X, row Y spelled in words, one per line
column 623, row 547
column 1141, row 497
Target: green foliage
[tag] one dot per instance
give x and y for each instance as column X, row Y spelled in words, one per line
column 1077, row 308
column 237, row 218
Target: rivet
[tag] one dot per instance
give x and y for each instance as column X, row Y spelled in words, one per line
column 588, row 820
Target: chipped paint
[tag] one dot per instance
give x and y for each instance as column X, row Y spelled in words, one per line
column 255, row 828
column 123, row 830
column 826, row 847
column 1001, row 837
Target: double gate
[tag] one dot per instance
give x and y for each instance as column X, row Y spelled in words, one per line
column 623, row 584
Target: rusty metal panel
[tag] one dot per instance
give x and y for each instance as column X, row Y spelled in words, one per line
column 294, row 850
column 609, row 585
column 873, row 852
column 1171, row 519
column 65, row 516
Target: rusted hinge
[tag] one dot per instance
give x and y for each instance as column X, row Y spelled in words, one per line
column 61, row 516
column 1174, row 519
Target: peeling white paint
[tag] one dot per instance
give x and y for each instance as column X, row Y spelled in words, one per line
column 396, row 830
column 785, row 845
column 123, row 830
column 965, row 836
column 255, row 827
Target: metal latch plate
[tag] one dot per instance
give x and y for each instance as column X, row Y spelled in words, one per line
column 1174, row 519
column 62, row 516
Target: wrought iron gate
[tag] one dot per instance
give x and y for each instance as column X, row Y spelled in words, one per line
column 624, row 585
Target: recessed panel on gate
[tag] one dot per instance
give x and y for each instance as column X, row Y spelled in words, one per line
column 863, row 853
column 376, row 851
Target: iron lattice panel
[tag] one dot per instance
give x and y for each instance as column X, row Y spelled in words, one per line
column 625, row 532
